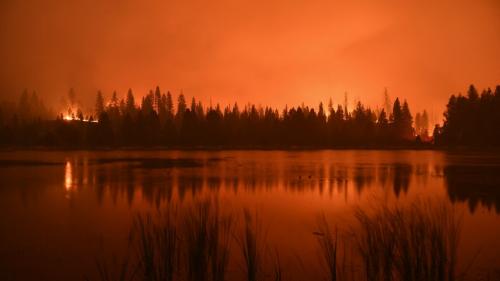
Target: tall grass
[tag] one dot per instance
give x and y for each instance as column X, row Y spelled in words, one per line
column 375, row 244
column 220, row 244
column 417, row 242
column 168, row 247
column 157, row 246
column 196, row 242
column 328, row 242
column 411, row 243
column 250, row 244
column 277, row 268
column 208, row 242
column 193, row 245
column 333, row 249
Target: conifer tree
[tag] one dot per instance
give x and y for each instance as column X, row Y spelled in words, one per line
column 99, row 104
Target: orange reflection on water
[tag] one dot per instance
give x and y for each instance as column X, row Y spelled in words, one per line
column 103, row 191
column 68, row 176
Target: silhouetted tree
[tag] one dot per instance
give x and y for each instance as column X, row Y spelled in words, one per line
column 418, row 123
column 130, row 103
column 402, row 121
column 407, row 121
column 169, row 106
column 157, row 122
column 147, row 106
column 181, row 105
column 471, row 120
column 99, row 104
column 383, row 131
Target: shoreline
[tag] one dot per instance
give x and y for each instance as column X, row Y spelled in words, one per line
column 254, row 148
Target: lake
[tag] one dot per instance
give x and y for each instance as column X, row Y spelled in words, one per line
column 63, row 211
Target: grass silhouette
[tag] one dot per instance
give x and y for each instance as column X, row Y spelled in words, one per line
column 414, row 242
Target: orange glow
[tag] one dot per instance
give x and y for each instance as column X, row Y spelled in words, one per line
column 68, row 176
column 265, row 52
column 73, row 118
column 72, row 115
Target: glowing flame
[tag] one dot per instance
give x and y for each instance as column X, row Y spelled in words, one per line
column 75, row 114
column 73, row 118
column 68, row 117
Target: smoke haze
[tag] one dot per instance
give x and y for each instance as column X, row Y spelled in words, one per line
column 265, row 52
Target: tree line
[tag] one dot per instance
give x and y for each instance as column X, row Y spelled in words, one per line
column 471, row 120
column 160, row 119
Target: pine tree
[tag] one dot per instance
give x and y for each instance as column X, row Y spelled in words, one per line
column 382, row 119
column 397, row 120
column 157, row 99
column 162, row 109
column 340, row 116
column 331, row 110
column 418, row 126
column 130, row 103
column 147, row 104
column 407, row 122
column 199, row 110
column 424, row 124
column 472, row 93
column 346, row 104
column 397, row 114
column 114, row 100
column 99, row 104
column 181, row 105
column 321, row 114
column 193, row 106
column 169, row 104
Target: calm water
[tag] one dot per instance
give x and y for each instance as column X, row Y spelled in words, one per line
column 60, row 211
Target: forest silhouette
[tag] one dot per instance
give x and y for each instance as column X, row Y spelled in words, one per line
column 159, row 121
column 471, row 120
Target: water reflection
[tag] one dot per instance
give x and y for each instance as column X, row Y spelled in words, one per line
column 474, row 184
column 64, row 206
column 401, row 178
column 68, row 176
column 160, row 180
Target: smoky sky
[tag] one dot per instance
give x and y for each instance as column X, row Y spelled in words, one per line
column 265, row 52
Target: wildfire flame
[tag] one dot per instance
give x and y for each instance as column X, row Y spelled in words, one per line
column 75, row 114
column 73, row 118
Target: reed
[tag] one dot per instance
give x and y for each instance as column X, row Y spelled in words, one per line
column 220, row 234
column 328, row 244
column 157, row 246
column 415, row 242
column 196, row 242
column 418, row 242
column 167, row 241
column 250, row 241
column 277, row 268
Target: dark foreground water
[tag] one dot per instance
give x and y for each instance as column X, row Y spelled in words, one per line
column 62, row 211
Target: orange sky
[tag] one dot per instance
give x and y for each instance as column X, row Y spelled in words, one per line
column 268, row 52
